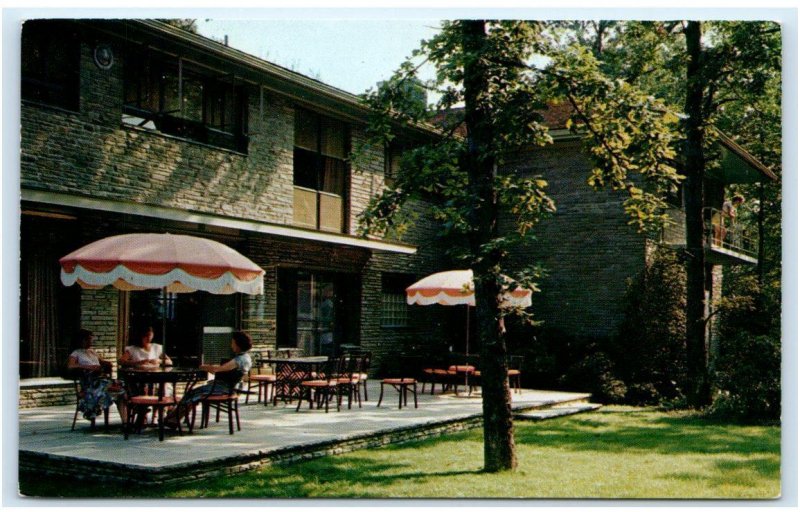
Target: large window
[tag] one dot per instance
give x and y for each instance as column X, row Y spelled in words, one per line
column 320, row 171
column 177, row 97
column 50, row 64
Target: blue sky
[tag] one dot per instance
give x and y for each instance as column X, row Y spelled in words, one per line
column 351, row 54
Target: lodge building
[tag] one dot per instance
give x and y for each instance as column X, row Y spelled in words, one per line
column 139, row 126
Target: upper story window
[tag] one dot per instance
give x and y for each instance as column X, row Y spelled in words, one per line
column 50, row 64
column 177, row 97
column 320, row 171
column 391, row 163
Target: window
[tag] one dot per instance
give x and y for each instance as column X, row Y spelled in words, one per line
column 50, row 64
column 320, row 171
column 177, row 97
column 391, row 163
column 394, row 309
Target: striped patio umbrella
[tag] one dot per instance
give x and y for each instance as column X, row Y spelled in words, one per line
column 174, row 263
column 455, row 288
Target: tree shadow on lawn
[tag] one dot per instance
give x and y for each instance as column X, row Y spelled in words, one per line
column 343, row 476
column 634, row 431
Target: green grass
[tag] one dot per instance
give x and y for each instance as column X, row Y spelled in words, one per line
column 616, row 452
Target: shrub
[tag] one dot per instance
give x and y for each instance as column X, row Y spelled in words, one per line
column 748, row 378
column 595, row 374
column 649, row 350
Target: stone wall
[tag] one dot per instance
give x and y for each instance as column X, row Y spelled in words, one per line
column 587, row 248
column 92, row 153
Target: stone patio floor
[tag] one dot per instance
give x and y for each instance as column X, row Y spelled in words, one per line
column 269, row 434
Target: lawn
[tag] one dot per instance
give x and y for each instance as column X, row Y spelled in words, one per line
column 616, row 452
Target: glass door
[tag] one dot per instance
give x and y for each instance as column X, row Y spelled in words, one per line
column 317, row 311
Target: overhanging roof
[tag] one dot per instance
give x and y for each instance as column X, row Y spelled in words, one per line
column 739, row 166
column 160, row 212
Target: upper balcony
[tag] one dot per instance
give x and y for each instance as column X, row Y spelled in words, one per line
column 724, row 243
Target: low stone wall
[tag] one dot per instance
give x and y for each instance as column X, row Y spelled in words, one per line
column 52, row 465
column 45, row 393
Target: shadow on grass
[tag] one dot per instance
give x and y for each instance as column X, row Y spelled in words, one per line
column 378, row 473
column 637, row 431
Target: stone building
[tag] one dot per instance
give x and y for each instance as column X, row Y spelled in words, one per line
column 590, row 251
column 138, row 126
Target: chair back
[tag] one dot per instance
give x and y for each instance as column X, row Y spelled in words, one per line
column 515, row 362
column 230, row 378
column 366, row 361
column 351, row 366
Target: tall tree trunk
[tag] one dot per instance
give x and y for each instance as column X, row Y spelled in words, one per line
column 479, row 161
column 699, row 390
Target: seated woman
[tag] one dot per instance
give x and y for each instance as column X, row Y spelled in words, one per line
column 226, row 377
column 99, row 391
column 143, row 353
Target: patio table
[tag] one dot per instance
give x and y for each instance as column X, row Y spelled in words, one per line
column 290, row 372
column 159, row 377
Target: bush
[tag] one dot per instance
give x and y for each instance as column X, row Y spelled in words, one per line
column 595, row 374
column 749, row 378
column 748, row 367
column 650, row 349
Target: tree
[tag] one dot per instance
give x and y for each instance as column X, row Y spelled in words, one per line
column 490, row 67
column 702, row 69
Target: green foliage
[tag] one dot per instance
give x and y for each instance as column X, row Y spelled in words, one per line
column 594, row 373
column 627, row 132
column 649, row 349
column 748, row 367
column 748, row 378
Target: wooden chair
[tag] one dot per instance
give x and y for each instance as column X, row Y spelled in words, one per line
column 264, row 381
column 515, row 372
column 324, row 386
column 458, row 374
column 433, row 376
column 223, row 403
column 137, row 407
column 366, row 361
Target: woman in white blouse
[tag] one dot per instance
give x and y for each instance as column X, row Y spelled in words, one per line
column 142, row 351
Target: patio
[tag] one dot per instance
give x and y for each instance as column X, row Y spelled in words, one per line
column 269, row 435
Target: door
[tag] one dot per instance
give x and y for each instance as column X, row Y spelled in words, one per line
column 187, row 318
column 318, row 311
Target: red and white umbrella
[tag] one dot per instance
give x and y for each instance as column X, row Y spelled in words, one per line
column 455, row 287
column 174, row 263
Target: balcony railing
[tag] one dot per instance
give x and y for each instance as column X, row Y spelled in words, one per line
column 726, row 241
column 721, row 233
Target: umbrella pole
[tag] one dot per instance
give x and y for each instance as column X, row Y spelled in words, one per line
column 466, row 363
column 164, row 326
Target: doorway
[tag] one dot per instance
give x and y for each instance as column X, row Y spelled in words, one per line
column 318, row 311
column 186, row 317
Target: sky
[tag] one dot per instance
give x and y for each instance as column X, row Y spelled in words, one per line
column 351, row 54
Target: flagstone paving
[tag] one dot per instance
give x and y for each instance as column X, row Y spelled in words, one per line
column 269, row 434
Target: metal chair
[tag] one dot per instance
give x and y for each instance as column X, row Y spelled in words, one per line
column 264, row 381
column 323, row 386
